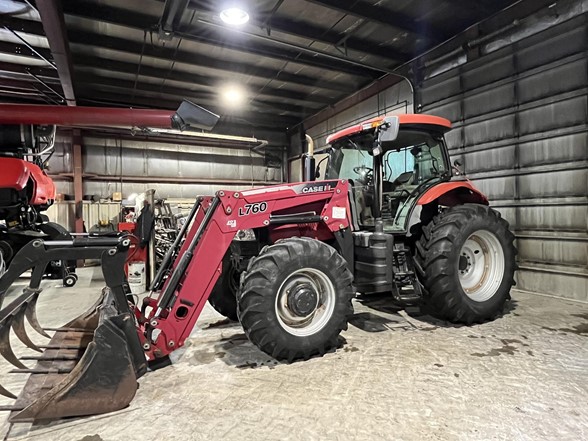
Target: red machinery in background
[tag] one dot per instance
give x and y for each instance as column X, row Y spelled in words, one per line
column 136, row 263
column 25, row 192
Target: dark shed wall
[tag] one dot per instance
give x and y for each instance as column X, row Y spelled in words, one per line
column 520, row 114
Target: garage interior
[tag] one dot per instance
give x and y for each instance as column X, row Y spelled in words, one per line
column 510, row 76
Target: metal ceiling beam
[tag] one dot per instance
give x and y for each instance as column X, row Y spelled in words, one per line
column 22, row 72
column 171, row 17
column 478, row 8
column 20, row 50
column 21, row 88
column 11, row 83
column 202, row 60
column 54, row 26
column 313, row 33
column 328, row 36
column 284, row 50
column 44, row 81
column 379, row 14
column 30, row 47
column 181, row 56
column 267, row 49
column 201, row 97
column 193, row 81
column 314, row 101
column 16, row 96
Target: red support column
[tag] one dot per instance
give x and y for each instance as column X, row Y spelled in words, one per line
column 77, row 180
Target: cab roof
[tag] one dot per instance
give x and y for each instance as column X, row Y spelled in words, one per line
column 433, row 122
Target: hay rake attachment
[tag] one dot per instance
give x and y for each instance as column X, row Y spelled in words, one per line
column 68, row 377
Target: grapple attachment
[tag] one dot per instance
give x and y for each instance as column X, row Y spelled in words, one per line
column 91, row 364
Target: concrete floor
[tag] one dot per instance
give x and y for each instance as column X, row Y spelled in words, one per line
column 521, row 377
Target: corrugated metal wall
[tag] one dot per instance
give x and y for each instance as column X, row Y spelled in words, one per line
column 106, row 159
column 93, row 212
column 393, row 100
column 520, row 114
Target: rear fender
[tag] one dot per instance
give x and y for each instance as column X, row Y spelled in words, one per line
column 453, row 193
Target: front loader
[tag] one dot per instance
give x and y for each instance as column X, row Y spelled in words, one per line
column 286, row 261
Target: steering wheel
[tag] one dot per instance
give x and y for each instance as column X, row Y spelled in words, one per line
column 365, row 173
column 362, row 170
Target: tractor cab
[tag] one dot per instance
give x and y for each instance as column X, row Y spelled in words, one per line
column 390, row 162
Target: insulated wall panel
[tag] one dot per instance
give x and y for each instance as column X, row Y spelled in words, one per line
column 113, row 165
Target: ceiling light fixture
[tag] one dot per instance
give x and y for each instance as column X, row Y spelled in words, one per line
column 233, row 96
column 234, row 16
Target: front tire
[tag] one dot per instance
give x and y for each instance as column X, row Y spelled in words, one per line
column 465, row 260
column 295, row 298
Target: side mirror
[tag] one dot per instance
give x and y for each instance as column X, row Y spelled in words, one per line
column 457, row 168
column 389, row 129
column 193, row 116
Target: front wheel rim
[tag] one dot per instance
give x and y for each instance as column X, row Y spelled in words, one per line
column 481, row 265
column 306, row 324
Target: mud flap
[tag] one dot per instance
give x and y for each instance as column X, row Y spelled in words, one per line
column 90, row 366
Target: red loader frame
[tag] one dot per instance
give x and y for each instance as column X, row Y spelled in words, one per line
column 316, row 209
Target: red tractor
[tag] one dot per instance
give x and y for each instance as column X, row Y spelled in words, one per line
column 286, row 261
column 25, row 192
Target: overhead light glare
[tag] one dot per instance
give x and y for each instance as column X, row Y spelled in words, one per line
column 234, row 16
column 233, row 96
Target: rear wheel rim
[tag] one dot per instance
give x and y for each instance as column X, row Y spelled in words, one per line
column 315, row 320
column 481, row 265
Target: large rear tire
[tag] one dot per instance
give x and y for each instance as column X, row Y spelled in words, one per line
column 465, row 260
column 223, row 297
column 295, row 298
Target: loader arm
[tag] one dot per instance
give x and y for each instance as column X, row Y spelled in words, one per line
column 170, row 314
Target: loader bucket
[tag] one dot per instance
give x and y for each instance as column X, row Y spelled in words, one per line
column 89, row 366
